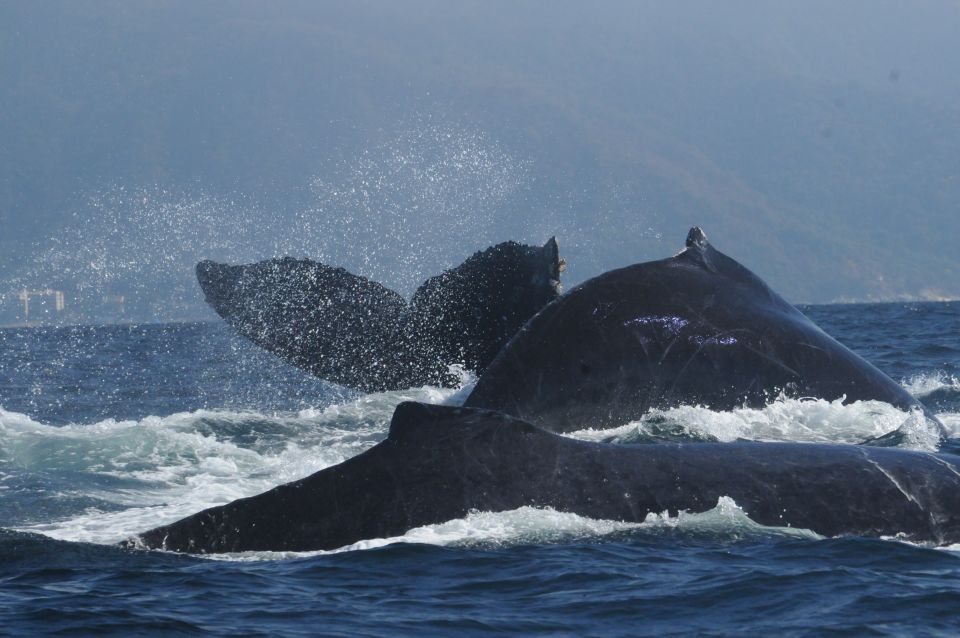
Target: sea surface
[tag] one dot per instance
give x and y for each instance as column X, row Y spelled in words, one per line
column 109, row 431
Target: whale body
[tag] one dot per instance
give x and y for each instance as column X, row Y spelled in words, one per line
column 439, row 463
column 356, row 332
column 695, row 329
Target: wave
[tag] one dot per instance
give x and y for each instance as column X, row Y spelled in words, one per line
column 164, row 468
column 533, row 525
column 796, row 420
column 935, row 386
column 107, row 481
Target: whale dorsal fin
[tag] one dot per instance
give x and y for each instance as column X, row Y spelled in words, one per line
column 699, row 249
column 413, row 422
column 700, row 252
column 696, row 238
column 410, row 416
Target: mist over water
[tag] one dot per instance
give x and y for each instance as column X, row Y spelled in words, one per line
column 399, row 212
column 130, row 243
column 421, row 202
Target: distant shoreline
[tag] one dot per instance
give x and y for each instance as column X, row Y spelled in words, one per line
column 851, row 302
column 33, row 324
column 37, row 324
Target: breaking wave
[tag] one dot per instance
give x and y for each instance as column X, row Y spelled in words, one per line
column 798, row 420
column 924, row 386
column 110, row 480
column 532, row 525
column 106, row 481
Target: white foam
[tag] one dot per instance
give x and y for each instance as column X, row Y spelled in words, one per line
column 532, row 525
column 799, row 420
column 167, row 474
column 468, row 381
column 951, row 423
column 379, row 406
column 919, row 433
column 173, row 466
column 922, row 385
column 727, row 520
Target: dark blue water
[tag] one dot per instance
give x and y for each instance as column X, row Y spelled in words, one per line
column 108, row 431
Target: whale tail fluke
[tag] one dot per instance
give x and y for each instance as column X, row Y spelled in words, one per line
column 339, row 326
column 356, row 332
column 217, row 281
column 467, row 314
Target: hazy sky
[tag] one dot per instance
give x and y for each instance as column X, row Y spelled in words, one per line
column 817, row 142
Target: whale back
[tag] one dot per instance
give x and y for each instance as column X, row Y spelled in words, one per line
column 695, row 329
column 440, row 463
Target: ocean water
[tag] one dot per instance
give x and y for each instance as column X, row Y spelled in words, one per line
column 109, row 431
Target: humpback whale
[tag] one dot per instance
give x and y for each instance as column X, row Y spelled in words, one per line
column 440, row 462
column 695, row 329
column 356, row 332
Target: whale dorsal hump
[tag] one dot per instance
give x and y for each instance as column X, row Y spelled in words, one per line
column 421, row 421
column 700, row 252
column 408, row 416
column 414, row 422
